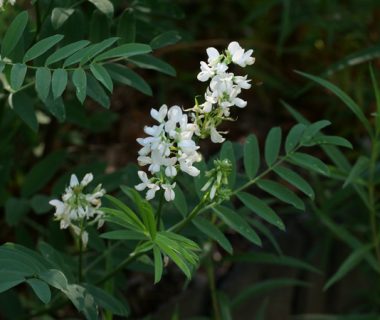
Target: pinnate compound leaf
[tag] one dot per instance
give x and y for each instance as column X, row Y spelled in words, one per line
column 237, row 223
column 259, row 207
column 251, row 156
column 14, row 33
column 41, row 47
column 272, row 145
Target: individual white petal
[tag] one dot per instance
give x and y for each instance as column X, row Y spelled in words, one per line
column 140, row 187
column 87, row 179
column 240, row 103
column 143, row 176
column 74, row 181
column 152, row 192
column 233, row 47
column 84, row 238
column 216, row 137
column 59, row 206
column 213, row 192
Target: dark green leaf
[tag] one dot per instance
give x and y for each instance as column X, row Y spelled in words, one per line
column 126, row 28
column 359, row 167
column 296, row 180
column 96, row 92
column 236, row 222
column 332, row 140
column 56, row 107
column 18, row 73
column 43, row 82
column 41, row 47
column 41, row 289
column 294, row 137
column 153, row 63
column 101, row 74
column 42, row 172
column 158, row 265
column 180, row 201
column 23, row 106
column 80, row 82
column 312, row 130
column 14, row 33
column 124, row 235
column 213, row 232
column 125, row 51
column 251, row 156
column 58, row 82
column 66, row 51
column 104, row 6
column 272, row 145
column 126, row 76
column 165, row 39
column 15, row 210
column 309, row 162
column 279, row 191
column 261, row 209
column 59, row 16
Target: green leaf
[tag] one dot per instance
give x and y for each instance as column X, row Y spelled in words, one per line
column 251, row 156
column 153, row 63
column 18, row 73
column 309, row 162
column 180, row 201
column 41, row 47
column 2, row 66
column 332, row 140
column 80, row 82
column 359, row 167
column 10, row 279
column 83, row 301
column 224, row 305
column 272, row 145
column 213, row 232
column 15, row 210
column 23, row 106
column 124, row 235
column 263, row 287
column 59, row 16
column 58, row 82
column 43, row 82
column 158, row 265
column 125, row 51
column 165, row 39
column 126, row 76
column 101, row 74
column 14, row 33
column 42, row 172
column 126, row 28
column 261, row 209
column 104, row 6
column 227, row 152
column 40, row 203
column 55, row 278
column 107, row 301
column 351, row 104
column 350, row 263
column 97, row 48
column 294, row 137
column 279, row 191
column 96, row 92
column 376, row 90
column 236, row 222
column 41, row 289
column 296, row 180
column 312, row 130
column 56, row 107
column 66, row 51
column 273, row 259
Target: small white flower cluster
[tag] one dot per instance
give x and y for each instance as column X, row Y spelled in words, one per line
column 2, row 3
column 168, row 148
column 223, row 90
column 218, row 179
column 78, row 207
column 170, row 145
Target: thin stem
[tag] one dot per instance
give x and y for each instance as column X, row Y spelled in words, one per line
column 211, row 281
column 80, row 256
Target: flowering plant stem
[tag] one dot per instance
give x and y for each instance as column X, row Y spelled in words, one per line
column 80, row 256
column 211, row 281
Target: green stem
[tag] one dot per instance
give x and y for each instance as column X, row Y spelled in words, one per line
column 80, row 256
column 211, row 282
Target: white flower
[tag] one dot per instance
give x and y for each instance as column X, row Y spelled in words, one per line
column 169, row 192
column 239, row 56
column 160, row 114
column 216, row 137
column 242, row 82
column 146, row 183
column 213, row 56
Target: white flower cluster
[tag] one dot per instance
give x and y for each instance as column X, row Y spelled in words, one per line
column 168, row 148
column 77, row 207
column 2, row 3
column 170, row 144
column 223, row 90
